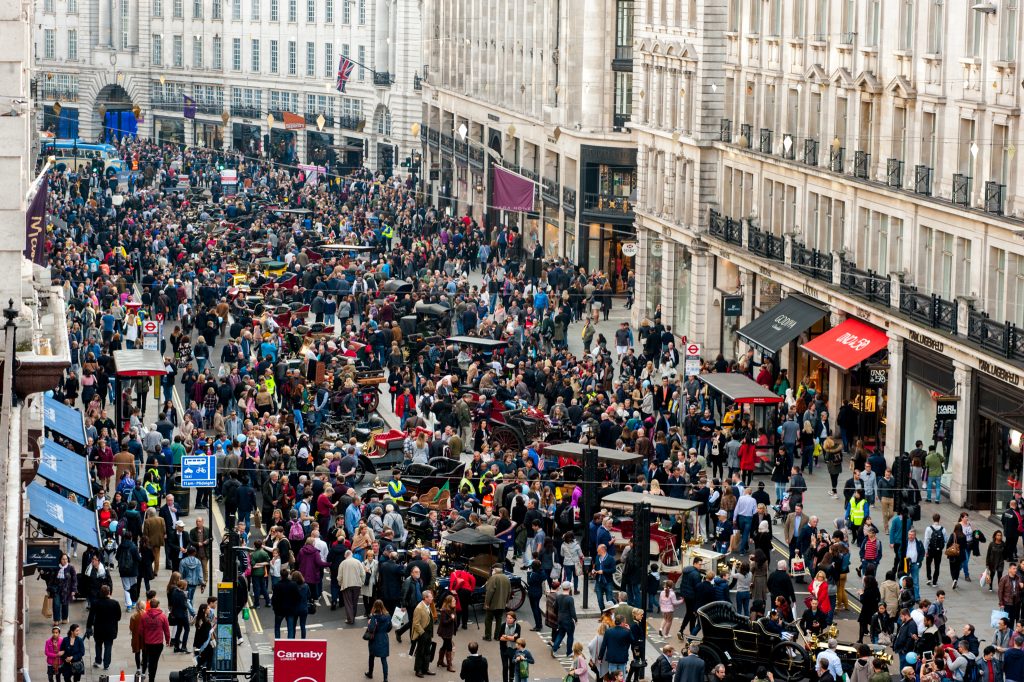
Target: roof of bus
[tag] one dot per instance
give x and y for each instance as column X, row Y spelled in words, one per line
column 80, row 144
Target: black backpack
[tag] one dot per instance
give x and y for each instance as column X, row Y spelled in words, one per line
column 937, row 541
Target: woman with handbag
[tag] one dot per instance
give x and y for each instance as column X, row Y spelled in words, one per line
column 956, row 547
column 63, row 588
column 377, row 643
column 204, row 645
column 72, row 655
column 447, row 623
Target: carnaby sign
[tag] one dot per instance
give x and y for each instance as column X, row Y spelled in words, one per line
column 300, row 660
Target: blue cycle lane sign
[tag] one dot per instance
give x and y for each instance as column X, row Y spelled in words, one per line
column 198, row 471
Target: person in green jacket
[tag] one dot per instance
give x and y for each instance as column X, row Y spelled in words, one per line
column 935, row 465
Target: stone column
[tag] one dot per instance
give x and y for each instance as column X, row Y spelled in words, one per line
column 671, row 161
column 105, row 16
column 894, row 401
column 702, row 328
column 836, row 380
column 594, row 66
column 133, row 29
column 381, row 32
column 963, row 378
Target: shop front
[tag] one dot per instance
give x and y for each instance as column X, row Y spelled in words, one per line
column 858, row 350
column 605, row 242
column 997, row 440
column 682, row 281
column 778, row 327
column 550, row 233
column 245, row 138
column 169, row 130
column 533, row 236
column 209, row 135
column 655, row 256
column 927, row 376
column 320, row 148
column 283, row 146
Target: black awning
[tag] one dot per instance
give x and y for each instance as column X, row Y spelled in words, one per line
column 780, row 325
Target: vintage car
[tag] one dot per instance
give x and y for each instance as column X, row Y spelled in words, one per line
column 476, row 552
column 743, row 646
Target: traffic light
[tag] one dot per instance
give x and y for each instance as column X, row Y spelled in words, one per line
column 406, row 163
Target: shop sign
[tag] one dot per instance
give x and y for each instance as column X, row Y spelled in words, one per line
column 630, row 249
column 300, row 660
column 732, row 306
column 927, row 342
column 946, row 408
column 878, row 376
column 999, row 373
column 691, row 365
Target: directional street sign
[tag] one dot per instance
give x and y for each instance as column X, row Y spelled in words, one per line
column 198, row 471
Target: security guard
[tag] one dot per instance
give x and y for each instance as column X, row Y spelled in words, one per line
column 396, row 489
column 857, row 510
column 388, row 233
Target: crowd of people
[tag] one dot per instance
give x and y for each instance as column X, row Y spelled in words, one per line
column 258, row 393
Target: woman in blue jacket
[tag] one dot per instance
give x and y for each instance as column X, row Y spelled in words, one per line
column 379, row 646
column 72, row 655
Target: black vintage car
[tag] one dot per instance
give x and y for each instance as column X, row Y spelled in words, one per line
column 470, row 550
column 744, row 646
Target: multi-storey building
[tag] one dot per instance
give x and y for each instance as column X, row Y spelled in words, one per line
column 835, row 185
column 240, row 60
column 544, row 89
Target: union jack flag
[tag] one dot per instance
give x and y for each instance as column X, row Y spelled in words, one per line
column 345, row 67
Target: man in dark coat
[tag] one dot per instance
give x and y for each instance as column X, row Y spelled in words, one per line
column 104, row 616
column 474, row 666
column 690, row 668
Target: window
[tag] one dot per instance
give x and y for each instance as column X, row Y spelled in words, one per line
column 293, row 59
column 197, row 9
column 362, row 60
column 821, row 21
column 48, row 6
column 849, row 22
column 899, row 129
column 329, row 11
column 907, row 25
column 179, row 9
column 384, row 123
column 623, row 98
column 125, row 10
column 754, row 16
column 236, row 10
column 310, row 11
column 776, row 18
column 926, row 258
column 73, row 44
column 935, row 21
column 1000, row 156
column 158, row 8
column 217, row 13
column 362, row 11
column 344, row 50
column 624, row 29
column 311, row 59
column 964, row 247
column 352, row 108
column 197, row 52
column 293, row 10
column 965, row 159
column 179, row 52
column 217, row 49
column 975, row 25
column 874, row 22
column 236, row 54
column 158, row 50
column 273, row 56
column 72, row 6
column 329, row 60
column 254, row 56
column 1016, row 313
column 1008, row 18
column 826, row 221
column 997, row 282
column 928, row 131
column 254, row 10
column 734, row 15
column 274, row 16
column 346, row 12
column 799, row 18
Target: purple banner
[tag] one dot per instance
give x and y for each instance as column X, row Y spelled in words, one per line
column 189, row 107
column 509, row 191
column 35, row 226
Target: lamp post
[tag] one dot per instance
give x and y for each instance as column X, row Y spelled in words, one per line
column 589, row 500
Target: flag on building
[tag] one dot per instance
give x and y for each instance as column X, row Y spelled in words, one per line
column 35, row 225
column 510, row 191
column 190, row 107
column 345, row 66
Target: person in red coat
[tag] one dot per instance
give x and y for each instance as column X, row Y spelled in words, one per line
column 819, row 591
column 156, row 634
column 748, row 460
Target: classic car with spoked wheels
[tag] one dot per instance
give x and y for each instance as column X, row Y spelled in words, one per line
column 744, row 646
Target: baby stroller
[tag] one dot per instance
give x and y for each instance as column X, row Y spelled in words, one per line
column 782, row 510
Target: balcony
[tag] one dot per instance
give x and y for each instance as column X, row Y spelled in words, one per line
column 549, row 191
column 461, row 149
column 810, row 152
column 747, row 135
column 894, row 173
column 434, row 137
column 476, row 156
column 931, row 310
column 312, row 116
column 417, row 83
column 811, row 262
column 835, row 159
column 619, row 122
column 961, row 190
column 57, row 95
column 725, row 130
column 923, row 180
column 383, row 79
column 1001, row 337
column 765, row 244
column 995, row 196
column 569, row 199
column 623, row 60
column 245, row 111
column 173, row 104
column 447, row 143
column 765, row 141
column 606, row 204
column 725, row 228
column 865, row 284
column 861, row 165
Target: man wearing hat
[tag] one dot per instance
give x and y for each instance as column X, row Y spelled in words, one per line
column 177, row 545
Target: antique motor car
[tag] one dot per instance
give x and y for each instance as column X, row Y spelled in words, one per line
column 476, row 552
column 744, row 645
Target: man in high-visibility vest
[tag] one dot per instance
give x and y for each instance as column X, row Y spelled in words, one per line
column 857, row 511
column 396, row 488
column 388, row 233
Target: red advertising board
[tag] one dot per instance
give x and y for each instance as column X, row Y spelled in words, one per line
column 300, row 660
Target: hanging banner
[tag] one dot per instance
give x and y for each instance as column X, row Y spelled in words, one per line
column 35, row 226
column 510, row 191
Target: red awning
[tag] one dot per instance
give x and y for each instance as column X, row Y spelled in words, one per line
column 848, row 344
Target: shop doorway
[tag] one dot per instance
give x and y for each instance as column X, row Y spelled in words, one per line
column 604, row 253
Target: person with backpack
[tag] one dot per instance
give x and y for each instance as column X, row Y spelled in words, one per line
column 935, row 544
column 964, row 667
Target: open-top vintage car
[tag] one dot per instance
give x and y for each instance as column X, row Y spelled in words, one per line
column 744, row 646
column 478, row 553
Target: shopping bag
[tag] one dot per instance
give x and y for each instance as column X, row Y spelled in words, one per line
column 997, row 614
column 47, row 606
column 734, row 541
column 399, row 618
column 985, row 580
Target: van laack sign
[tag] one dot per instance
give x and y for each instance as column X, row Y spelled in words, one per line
column 300, row 660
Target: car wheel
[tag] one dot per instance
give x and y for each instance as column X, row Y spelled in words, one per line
column 617, row 576
column 516, row 599
column 360, row 472
column 507, row 439
column 711, row 658
column 789, row 661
